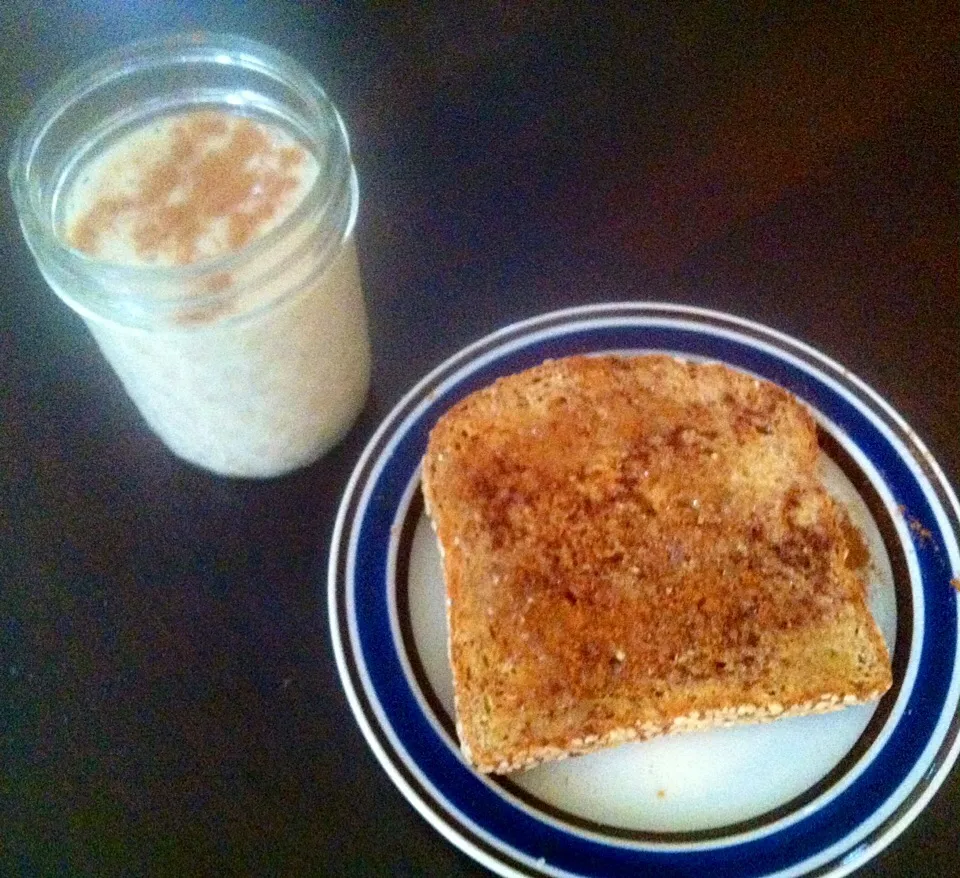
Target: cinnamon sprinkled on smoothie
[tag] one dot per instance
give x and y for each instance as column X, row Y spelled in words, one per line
column 218, row 282
column 222, row 181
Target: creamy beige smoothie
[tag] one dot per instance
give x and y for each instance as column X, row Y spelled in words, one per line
column 260, row 364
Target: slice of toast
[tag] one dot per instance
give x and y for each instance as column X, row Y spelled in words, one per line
column 634, row 546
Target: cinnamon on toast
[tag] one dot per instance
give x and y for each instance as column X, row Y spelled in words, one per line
column 634, row 546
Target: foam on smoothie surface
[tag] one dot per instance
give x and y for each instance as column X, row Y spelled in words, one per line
column 185, row 188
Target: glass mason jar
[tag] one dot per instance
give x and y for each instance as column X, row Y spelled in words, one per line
column 248, row 359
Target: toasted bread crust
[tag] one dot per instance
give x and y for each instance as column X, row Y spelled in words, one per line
column 634, row 546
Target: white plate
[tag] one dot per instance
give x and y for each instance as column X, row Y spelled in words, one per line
column 815, row 795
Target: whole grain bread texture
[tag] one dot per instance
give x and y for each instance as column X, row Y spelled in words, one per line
column 634, row 546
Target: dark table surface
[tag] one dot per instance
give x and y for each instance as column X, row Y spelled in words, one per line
column 170, row 703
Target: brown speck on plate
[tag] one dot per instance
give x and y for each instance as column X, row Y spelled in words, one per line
column 922, row 532
column 915, row 525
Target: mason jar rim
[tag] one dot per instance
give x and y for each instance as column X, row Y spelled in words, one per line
column 137, row 57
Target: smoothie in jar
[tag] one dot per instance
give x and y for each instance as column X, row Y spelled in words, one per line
column 206, row 237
